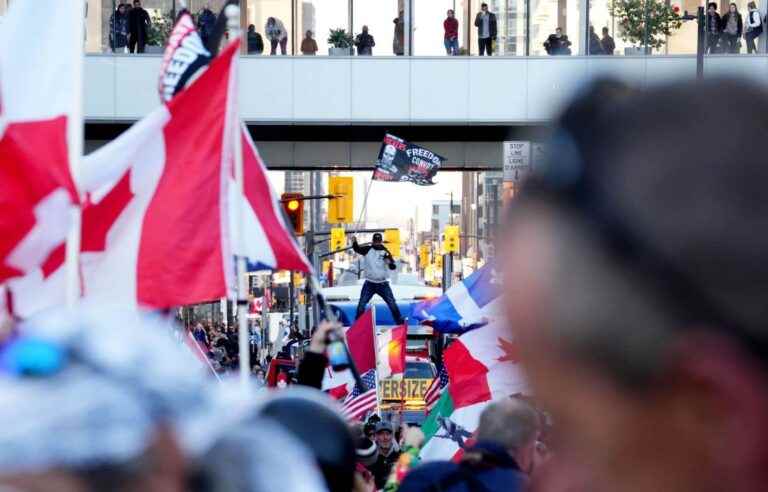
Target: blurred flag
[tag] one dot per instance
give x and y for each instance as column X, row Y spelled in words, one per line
column 482, row 366
column 391, row 352
column 266, row 240
column 435, row 390
column 465, row 306
column 39, row 105
column 361, row 401
column 157, row 235
column 185, row 55
column 360, row 341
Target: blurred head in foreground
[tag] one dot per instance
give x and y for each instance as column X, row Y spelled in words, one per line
column 636, row 278
column 100, row 399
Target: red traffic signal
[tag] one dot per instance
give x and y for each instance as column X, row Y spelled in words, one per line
column 293, row 206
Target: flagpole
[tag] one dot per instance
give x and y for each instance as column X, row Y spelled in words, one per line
column 232, row 12
column 376, row 359
column 75, row 155
column 365, row 204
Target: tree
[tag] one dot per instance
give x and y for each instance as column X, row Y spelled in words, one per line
column 646, row 22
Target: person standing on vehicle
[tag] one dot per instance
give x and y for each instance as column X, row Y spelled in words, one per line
column 378, row 261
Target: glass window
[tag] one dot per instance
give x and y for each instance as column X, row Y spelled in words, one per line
column 319, row 16
column 428, row 32
column 280, row 36
column 510, row 27
column 379, row 16
column 419, row 370
column 547, row 16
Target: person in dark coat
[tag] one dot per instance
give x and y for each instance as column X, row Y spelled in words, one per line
column 487, row 29
column 501, row 459
column 138, row 28
column 714, row 28
column 607, row 42
column 732, row 28
column 364, row 43
column 557, row 43
column 595, row 47
column 388, row 453
column 255, row 41
column 206, row 23
column 118, row 29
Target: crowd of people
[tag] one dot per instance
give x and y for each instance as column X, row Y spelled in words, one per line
column 724, row 33
column 130, row 25
column 634, row 287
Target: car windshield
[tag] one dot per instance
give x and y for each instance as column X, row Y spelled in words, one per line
column 419, row 370
column 409, row 279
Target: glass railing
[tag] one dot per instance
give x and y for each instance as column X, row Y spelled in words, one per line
column 427, row 28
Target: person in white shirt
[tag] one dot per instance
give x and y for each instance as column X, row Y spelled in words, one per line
column 754, row 27
column 276, row 33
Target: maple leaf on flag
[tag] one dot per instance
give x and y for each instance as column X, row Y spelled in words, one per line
column 510, row 351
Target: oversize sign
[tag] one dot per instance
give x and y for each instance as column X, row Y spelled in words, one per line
column 404, row 390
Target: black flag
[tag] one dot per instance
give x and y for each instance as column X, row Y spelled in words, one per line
column 403, row 161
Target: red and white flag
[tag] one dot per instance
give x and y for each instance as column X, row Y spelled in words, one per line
column 360, row 341
column 391, row 352
column 157, row 235
column 40, row 77
column 482, row 366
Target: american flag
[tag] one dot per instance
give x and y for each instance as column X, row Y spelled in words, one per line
column 360, row 402
column 435, row 389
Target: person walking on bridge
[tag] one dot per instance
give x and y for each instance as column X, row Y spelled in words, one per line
column 378, row 261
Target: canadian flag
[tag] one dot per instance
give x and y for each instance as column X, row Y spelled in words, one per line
column 391, row 352
column 39, row 79
column 360, row 340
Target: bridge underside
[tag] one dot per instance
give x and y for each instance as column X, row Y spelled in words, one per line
column 355, row 147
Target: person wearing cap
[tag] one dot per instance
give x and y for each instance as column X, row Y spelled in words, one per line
column 635, row 280
column 387, row 453
column 377, row 262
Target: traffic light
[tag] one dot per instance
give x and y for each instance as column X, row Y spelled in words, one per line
column 423, row 256
column 451, row 241
column 439, row 262
column 340, row 208
column 293, row 205
column 392, row 241
column 338, row 239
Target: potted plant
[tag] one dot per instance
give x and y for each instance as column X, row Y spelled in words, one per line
column 159, row 31
column 645, row 23
column 340, row 41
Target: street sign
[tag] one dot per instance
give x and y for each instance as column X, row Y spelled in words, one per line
column 517, row 160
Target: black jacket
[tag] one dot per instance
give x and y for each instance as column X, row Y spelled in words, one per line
column 498, row 471
column 255, row 42
column 739, row 23
column 382, row 467
column 365, row 44
column 363, row 250
column 595, row 47
column 312, row 369
column 608, row 44
column 557, row 46
column 492, row 28
column 714, row 24
column 138, row 22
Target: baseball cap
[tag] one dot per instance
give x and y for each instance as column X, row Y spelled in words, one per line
column 384, row 426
